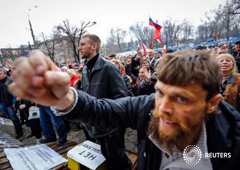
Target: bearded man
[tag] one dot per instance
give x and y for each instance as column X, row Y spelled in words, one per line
column 187, row 111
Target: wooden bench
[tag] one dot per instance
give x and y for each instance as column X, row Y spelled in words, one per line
column 10, row 142
column 62, row 150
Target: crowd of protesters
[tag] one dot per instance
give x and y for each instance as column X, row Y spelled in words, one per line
column 109, row 77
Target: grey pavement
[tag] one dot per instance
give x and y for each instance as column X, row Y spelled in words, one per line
column 74, row 135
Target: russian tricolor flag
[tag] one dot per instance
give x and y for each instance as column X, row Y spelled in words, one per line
column 156, row 25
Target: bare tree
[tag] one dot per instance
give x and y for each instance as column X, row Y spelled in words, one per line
column 187, row 30
column 223, row 21
column 172, row 30
column 235, row 7
column 1, row 58
column 216, row 21
column 49, row 45
column 74, row 34
column 115, row 41
column 142, row 33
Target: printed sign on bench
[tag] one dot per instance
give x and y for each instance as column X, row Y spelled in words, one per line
column 88, row 154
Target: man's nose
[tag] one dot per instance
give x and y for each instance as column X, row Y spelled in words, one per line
column 166, row 105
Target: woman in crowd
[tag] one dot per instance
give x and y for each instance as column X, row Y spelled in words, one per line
column 230, row 88
column 124, row 76
column 146, row 86
column 146, row 63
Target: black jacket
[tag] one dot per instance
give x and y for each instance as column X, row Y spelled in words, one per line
column 223, row 130
column 6, row 97
column 135, row 66
column 237, row 58
column 104, row 81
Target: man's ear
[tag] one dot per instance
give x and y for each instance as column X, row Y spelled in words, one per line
column 213, row 103
column 95, row 46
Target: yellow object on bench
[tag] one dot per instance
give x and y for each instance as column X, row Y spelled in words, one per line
column 73, row 165
column 85, row 156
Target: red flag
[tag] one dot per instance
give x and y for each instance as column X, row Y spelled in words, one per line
column 151, row 45
column 57, row 63
column 156, row 35
column 144, row 48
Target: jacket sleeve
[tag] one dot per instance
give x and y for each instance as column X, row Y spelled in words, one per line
column 128, row 85
column 125, row 112
column 146, row 88
column 117, row 85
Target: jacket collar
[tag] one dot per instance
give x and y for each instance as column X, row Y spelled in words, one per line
column 97, row 66
column 231, row 79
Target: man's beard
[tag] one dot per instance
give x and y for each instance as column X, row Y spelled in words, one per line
column 86, row 55
column 180, row 135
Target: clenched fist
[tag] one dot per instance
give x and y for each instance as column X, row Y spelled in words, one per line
column 38, row 79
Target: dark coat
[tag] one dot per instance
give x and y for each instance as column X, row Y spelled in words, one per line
column 237, row 58
column 223, row 130
column 104, row 81
column 6, row 97
column 135, row 66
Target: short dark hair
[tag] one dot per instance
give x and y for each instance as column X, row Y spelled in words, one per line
column 93, row 39
column 112, row 56
column 183, row 68
column 223, row 47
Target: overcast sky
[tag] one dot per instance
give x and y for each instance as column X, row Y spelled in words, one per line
column 14, row 28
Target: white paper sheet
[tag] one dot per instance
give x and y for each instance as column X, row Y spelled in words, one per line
column 2, row 121
column 38, row 157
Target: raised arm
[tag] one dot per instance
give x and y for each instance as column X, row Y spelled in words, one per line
column 130, row 112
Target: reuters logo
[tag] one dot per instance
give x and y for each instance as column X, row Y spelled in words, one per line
column 192, row 154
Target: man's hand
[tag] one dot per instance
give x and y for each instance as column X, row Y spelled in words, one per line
column 38, row 79
column 129, row 61
column 9, row 63
column 147, row 75
column 138, row 56
column 22, row 106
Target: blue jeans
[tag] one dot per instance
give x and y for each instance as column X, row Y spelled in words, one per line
column 11, row 114
column 48, row 120
column 3, row 110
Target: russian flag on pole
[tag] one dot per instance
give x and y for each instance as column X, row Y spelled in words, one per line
column 156, row 25
column 156, row 35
